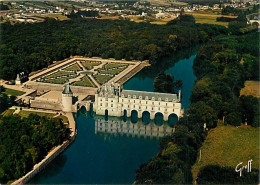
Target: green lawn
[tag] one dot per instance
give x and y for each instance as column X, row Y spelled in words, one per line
column 8, row 112
column 73, row 67
column 25, row 114
column 101, row 79
column 85, row 81
column 228, row 146
column 13, row 92
column 113, row 65
column 90, row 64
column 56, row 81
column 59, row 73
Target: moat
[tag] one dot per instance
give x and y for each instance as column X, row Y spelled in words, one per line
column 112, row 158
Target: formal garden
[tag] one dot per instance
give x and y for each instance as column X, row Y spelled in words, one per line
column 101, row 71
column 85, row 81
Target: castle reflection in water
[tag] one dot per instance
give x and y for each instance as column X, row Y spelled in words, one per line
column 127, row 128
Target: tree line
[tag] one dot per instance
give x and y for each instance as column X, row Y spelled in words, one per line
column 29, row 47
column 25, row 141
column 221, row 67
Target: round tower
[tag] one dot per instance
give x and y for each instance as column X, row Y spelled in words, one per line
column 67, row 99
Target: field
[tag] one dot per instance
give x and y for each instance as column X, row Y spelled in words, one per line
column 101, row 79
column 85, row 81
column 251, row 88
column 59, row 74
column 89, row 65
column 228, row 146
column 13, row 92
column 209, row 17
column 8, row 112
column 73, row 67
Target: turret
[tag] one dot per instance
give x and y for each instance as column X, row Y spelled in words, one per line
column 18, row 80
column 67, row 99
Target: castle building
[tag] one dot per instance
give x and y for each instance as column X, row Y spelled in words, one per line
column 67, row 99
column 112, row 100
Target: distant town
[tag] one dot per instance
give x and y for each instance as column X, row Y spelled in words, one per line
column 138, row 11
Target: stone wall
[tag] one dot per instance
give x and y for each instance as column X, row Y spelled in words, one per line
column 59, row 87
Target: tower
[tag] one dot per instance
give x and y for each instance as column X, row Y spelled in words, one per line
column 18, row 80
column 67, row 99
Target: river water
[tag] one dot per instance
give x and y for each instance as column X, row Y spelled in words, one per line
column 100, row 156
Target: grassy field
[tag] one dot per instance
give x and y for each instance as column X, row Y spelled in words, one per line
column 73, row 67
column 251, row 88
column 57, row 81
column 89, row 64
column 209, row 17
column 85, row 81
column 228, row 146
column 25, row 114
column 8, row 112
column 59, row 73
column 101, row 79
column 13, row 92
column 114, row 65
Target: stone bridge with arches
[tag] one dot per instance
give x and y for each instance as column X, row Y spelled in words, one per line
column 112, row 100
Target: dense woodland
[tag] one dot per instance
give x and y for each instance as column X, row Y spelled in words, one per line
column 25, row 141
column 221, row 67
column 5, row 100
column 29, row 47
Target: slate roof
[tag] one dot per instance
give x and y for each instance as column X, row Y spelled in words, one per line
column 67, row 89
column 150, row 95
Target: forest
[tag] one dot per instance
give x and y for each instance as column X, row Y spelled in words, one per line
column 29, row 47
column 25, row 141
column 221, row 67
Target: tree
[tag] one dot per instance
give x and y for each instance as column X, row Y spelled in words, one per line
column 233, row 118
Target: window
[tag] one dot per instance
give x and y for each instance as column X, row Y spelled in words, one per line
column 173, row 110
column 111, row 100
column 122, row 100
column 153, row 103
column 146, row 102
column 153, row 98
column 166, row 99
column 166, row 104
column 111, row 105
column 134, row 101
column 140, row 97
column 100, row 104
column 173, row 105
column 134, row 96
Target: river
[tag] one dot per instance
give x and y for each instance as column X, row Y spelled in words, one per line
column 98, row 157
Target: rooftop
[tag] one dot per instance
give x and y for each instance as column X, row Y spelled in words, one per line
column 157, row 96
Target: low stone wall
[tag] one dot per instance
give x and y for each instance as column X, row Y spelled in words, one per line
column 38, row 167
column 59, row 87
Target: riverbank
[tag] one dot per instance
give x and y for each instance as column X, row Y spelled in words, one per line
column 53, row 153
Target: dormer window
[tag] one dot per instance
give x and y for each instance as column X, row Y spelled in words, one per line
column 140, row 97
column 146, row 97
column 123, row 95
column 134, row 96
column 153, row 98
column 166, row 99
column 159, row 99
column 129, row 96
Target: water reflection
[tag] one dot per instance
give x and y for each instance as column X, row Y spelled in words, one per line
column 115, row 127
